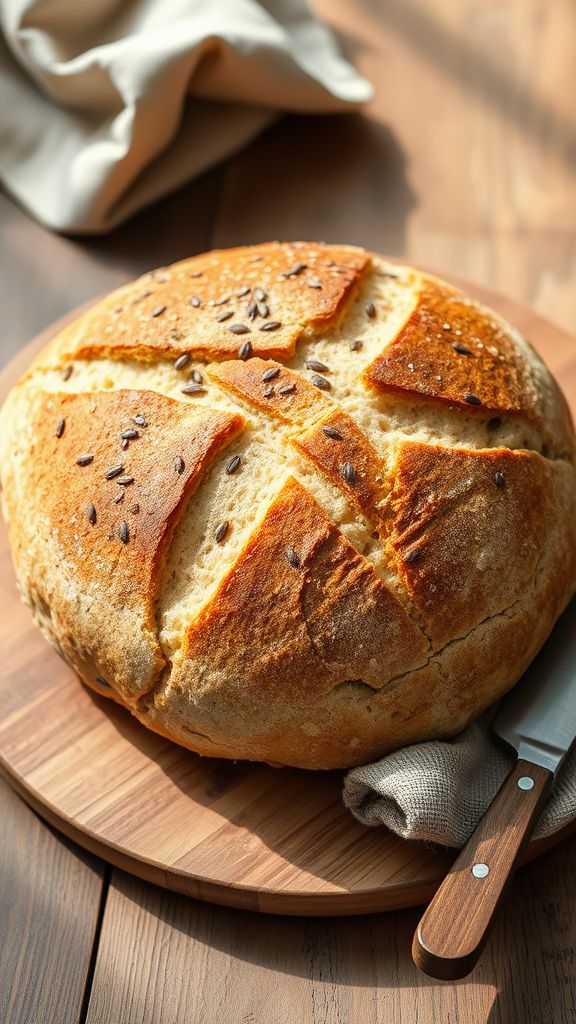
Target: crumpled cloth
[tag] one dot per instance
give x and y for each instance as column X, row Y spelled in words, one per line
column 107, row 105
column 438, row 791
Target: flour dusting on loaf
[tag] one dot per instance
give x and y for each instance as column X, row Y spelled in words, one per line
column 292, row 502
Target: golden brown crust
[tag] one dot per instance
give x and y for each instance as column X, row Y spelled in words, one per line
column 453, row 351
column 304, row 638
column 359, row 570
column 462, row 520
column 286, row 396
column 353, row 723
column 449, row 352
column 349, row 461
column 305, row 285
column 301, row 642
column 72, row 468
column 333, row 442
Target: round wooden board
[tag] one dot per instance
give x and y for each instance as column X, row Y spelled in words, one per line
column 245, row 835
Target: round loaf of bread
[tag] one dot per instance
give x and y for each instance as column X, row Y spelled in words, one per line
column 292, row 503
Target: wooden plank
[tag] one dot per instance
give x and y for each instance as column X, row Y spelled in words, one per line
column 163, row 959
column 50, row 895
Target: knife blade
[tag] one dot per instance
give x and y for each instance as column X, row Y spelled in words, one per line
column 538, row 719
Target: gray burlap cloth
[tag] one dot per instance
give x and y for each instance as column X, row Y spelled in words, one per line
column 438, row 791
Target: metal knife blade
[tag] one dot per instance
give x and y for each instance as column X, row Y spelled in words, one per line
column 538, row 718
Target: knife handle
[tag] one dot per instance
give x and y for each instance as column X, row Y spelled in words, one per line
column 455, row 926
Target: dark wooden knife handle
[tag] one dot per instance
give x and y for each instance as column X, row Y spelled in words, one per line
column 455, row 926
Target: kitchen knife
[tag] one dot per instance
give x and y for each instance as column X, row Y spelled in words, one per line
column 538, row 719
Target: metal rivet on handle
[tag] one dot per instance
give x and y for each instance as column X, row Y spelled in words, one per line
column 480, row 870
column 525, row 782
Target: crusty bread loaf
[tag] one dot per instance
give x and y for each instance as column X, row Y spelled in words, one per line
column 292, row 503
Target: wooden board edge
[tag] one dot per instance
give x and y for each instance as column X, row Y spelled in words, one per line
column 293, row 904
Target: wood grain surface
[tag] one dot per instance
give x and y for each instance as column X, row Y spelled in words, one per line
column 209, row 828
column 166, row 960
column 465, row 162
column 50, row 898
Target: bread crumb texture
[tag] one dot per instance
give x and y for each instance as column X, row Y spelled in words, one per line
column 292, row 503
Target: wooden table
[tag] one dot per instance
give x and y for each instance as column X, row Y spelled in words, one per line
column 465, row 162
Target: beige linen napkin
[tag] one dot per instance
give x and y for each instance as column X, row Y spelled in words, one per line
column 438, row 791
column 105, row 106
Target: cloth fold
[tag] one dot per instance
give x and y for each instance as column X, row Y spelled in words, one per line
column 105, row 107
column 438, row 791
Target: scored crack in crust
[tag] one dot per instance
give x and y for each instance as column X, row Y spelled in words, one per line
column 292, row 503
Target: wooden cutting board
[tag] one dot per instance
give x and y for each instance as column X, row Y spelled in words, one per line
column 250, row 836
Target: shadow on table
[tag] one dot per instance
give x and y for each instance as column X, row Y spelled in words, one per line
column 482, row 71
column 339, row 178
